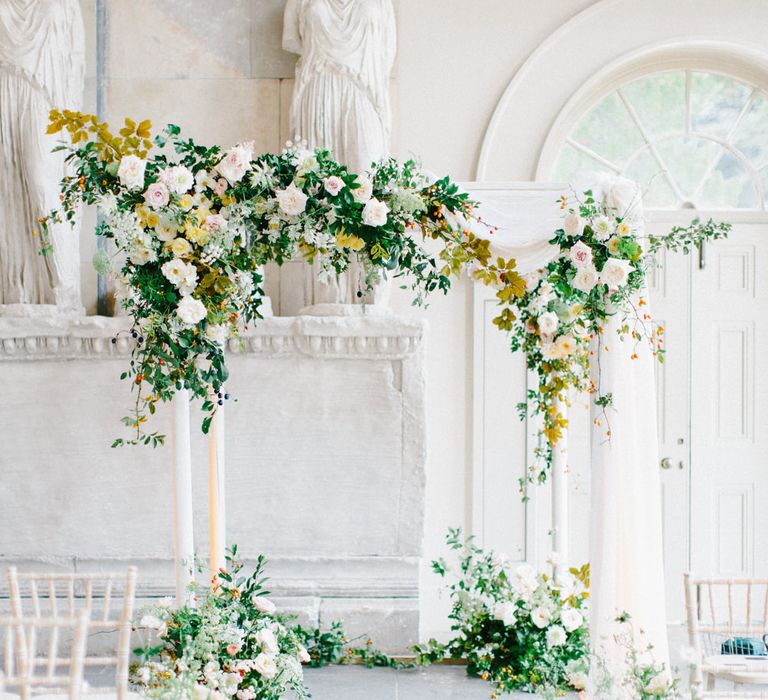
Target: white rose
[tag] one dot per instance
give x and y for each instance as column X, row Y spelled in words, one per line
column 264, row 664
column 131, row 172
column 602, row 228
column 200, row 692
column 235, row 163
column 505, row 612
column 571, row 619
column 175, row 271
column 141, row 255
column 375, row 213
column 364, row 192
column 540, row 617
column 585, row 279
column 549, row 351
column 264, row 605
column 156, row 195
column 166, row 228
column 246, row 694
column 333, row 185
column 292, row 200
column 107, row 203
column 565, row 345
column 572, row 224
column 546, row 291
column 532, row 279
column 548, row 322
column 267, row 641
column 615, row 272
column 556, row 636
column 623, row 229
column 151, row 621
column 178, row 179
column 191, row 310
column 217, row 333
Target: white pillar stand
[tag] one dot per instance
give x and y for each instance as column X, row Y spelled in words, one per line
column 216, row 494
column 183, row 537
column 559, row 480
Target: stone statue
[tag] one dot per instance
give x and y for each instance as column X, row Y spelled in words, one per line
column 341, row 98
column 42, row 61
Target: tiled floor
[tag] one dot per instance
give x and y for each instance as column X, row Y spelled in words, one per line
column 436, row 683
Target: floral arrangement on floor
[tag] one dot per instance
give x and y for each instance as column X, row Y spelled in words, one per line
column 601, row 271
column 192, row 226
column 230, row 643
column 518, row 629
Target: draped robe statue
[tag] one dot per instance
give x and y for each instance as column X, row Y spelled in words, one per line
column 41, row 66
column 341, row 97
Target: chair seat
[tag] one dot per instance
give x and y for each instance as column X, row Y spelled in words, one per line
column 749, row 670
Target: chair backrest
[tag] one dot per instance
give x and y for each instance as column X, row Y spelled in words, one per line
column 35, row 664
column 108, row 598
column 725, row 616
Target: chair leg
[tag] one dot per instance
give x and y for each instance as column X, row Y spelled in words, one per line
column 710, row 681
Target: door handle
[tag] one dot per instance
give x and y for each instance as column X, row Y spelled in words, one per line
column 702, row 255
column 666, row 463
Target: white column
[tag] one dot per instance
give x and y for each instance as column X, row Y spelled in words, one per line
column 183, row 537
column 559, row 479
column 216, row 494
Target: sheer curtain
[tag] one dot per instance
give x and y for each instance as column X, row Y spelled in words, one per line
column 626, row 553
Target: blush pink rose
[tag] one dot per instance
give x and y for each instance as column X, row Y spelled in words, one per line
column 581, row 254
column 156, row 195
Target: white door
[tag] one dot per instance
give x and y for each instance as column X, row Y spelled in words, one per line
column 713, row 406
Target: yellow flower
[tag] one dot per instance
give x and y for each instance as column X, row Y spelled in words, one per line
column 142, row 212
column 613, row 245
column 350, row 240
column 186, row 202
column 151, row 220
column 180, row 247
column 623, row 229
column 226, row 199
column 195, row 234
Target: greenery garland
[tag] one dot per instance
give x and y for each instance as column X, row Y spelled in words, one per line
column 193, row 227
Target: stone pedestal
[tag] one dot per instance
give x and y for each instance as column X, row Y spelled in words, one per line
column 325, row 462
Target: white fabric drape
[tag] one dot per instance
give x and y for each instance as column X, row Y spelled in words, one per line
column 626, row 553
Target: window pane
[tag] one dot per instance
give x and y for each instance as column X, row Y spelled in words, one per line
column 687, row 160
column 609, row 131
column 729, row 186
column 653, row 183
column 716, row 102
column 659, row 101
column 764, row 182
column 572, row 162
column 752, row 136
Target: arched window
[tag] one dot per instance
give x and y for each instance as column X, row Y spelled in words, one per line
column 692, row 138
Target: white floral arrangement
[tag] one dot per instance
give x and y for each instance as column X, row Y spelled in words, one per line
column 517, row 628
column 230, row 643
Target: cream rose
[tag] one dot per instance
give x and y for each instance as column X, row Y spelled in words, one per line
column 141, row 255
column 265, row 666
column 615, row 272
column 215, row 223
column 217, row 333
column 156, row 195
column 565, row 345
column 364, row 192
column 585, row 279
column 572, row 224
column 191, row 311
column 292, row 200
column 175, row 271
column 540, row 617
column 505, row 612
column 264, row 605
column 131, row 172
column 623, row 229
column 267, row 641
column 375, row 213
column 178, row 179
column 602, row 228
column 580, row 254
column 180, row 247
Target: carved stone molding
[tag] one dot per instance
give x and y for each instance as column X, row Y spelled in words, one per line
column 387, row 337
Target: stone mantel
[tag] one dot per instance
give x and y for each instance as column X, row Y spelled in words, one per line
column 326, row 451
column 375, row 336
